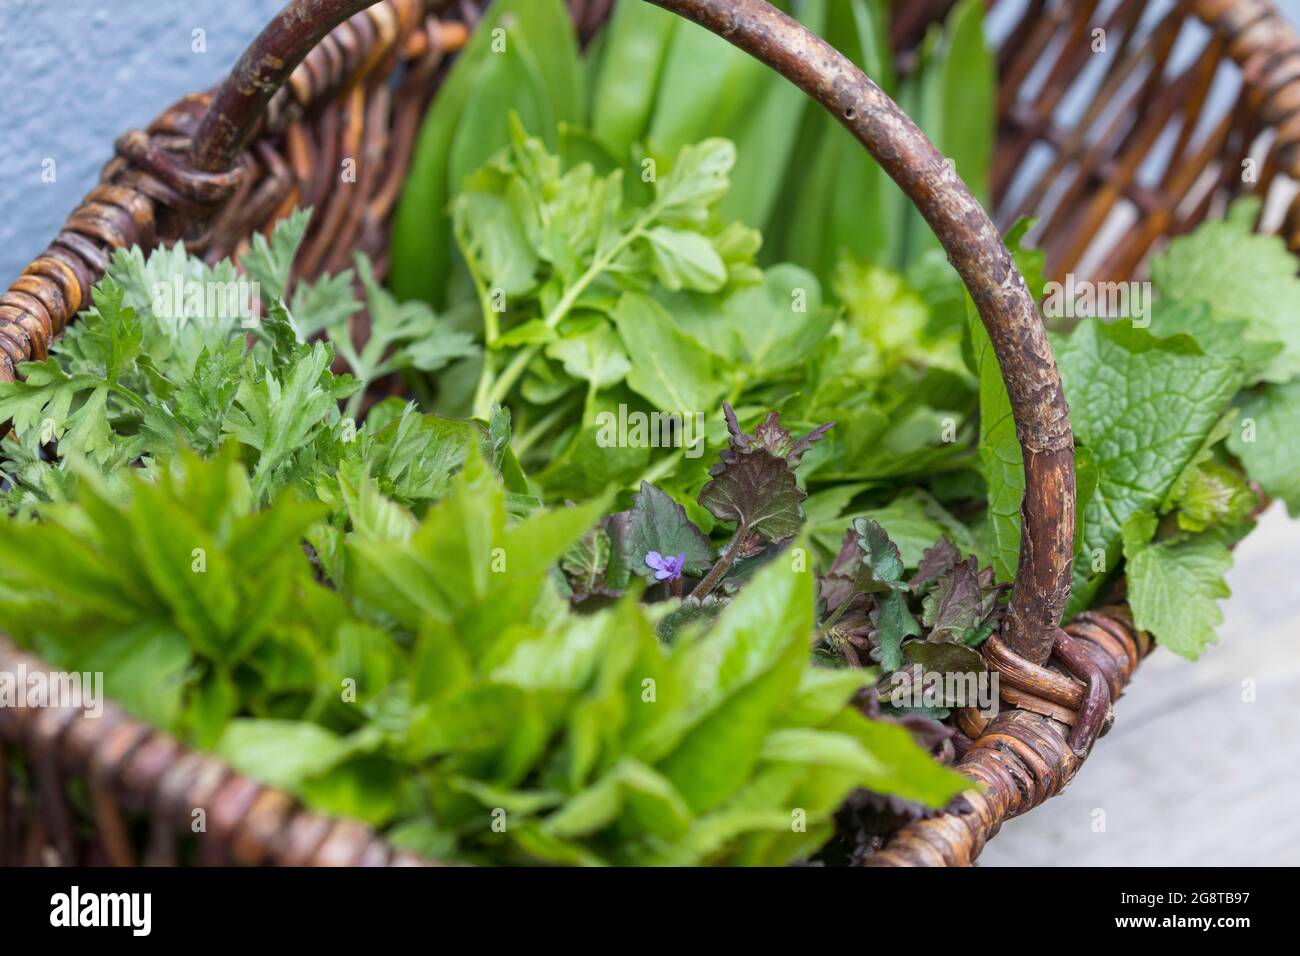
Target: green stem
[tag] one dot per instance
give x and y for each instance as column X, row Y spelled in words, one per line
column 723, row 565
column 482, row 408
column 598, row 267
column 529, row 438
column 825, row 629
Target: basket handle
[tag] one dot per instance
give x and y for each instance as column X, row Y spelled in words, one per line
column 971, row 240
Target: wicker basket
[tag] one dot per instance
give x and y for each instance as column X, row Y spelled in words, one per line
column 352, row 78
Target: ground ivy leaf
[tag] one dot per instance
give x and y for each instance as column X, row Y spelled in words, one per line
column 756, row 490
column 893, row 624
column 656, row 522
column 880, row 556
column 955, row 603
column 944, row 657
column 753, row 482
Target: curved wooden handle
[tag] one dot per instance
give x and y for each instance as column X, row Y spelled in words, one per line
column 974, row 247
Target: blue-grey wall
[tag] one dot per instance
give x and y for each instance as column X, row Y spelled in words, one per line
column 77, row 73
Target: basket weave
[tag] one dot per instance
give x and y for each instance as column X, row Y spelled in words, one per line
column 318, row 85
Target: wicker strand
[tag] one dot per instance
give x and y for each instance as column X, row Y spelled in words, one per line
column 1022, row 756
column 133, row 766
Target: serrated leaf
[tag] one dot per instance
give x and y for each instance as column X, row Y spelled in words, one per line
column 1174, row 587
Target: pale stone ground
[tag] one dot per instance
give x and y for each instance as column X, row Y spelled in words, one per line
column 1191, row 774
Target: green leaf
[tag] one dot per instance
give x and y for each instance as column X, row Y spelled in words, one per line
column 637, row 44
column 1215, row 496
column 655, row 523
column 270, row 262
column 735, row 680
column 1266, row 440
column 698, row 180
column 636, row 797
column 595, row 355
column 1143, row 406
column 823, row 693
column 1174, row 586
column 282, row 753
column 668, row 369
column 907, row 770
column 1218, row 336
column 686, row 260
column 1241, row 276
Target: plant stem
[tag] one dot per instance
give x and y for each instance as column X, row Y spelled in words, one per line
column 482, row 407
column 831, row 621
column 723, row 565
column 527, row 439
column 598, row 267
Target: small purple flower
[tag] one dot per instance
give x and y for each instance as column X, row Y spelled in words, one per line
column 666, row 568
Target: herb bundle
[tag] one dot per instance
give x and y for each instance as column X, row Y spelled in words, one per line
column 710, row 455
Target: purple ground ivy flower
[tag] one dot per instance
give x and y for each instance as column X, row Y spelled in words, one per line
column 666, row 568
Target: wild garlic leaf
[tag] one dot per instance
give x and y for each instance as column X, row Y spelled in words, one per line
column 1000, row 456
column 1174, row 587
